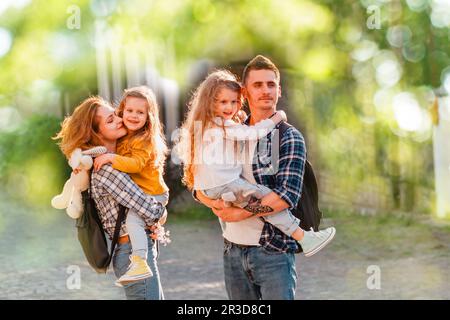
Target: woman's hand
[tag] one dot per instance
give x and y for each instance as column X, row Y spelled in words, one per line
column 154, row 228
column 160, row 234
column 102, row 160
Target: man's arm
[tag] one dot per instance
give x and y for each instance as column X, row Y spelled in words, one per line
column 120, row 186
column 227, row 214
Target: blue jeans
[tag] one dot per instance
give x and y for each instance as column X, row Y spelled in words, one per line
column 147, row 289
column 255, row 273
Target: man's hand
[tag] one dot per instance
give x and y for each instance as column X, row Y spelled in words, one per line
column 218, row 204
column 231, row 214
column 102, row 160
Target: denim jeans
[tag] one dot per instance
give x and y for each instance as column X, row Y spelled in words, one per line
column 147, row 289
column 255, row 273
column 136, row 228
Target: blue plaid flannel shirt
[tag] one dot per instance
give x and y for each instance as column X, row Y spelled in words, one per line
column 280, row 169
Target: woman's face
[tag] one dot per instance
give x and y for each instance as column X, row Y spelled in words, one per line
column 110, row 126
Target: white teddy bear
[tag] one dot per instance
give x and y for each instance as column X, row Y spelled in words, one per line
column 70, row 198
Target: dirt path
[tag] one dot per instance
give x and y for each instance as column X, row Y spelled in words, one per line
column 36, row 265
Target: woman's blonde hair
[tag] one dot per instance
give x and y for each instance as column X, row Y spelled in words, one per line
column 152, row 132
column 80, row 130
column 201, row 110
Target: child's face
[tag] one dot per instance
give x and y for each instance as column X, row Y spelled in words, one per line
column 227, row 103
column 135, row 113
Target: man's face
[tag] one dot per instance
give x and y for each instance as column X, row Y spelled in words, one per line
column 262, row 89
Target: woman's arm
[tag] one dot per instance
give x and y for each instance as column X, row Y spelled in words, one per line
column 124, row 191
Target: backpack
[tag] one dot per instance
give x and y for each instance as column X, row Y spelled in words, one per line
column 92, row 236
column 307, row 209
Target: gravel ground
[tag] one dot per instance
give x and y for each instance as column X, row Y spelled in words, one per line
column 37, row 259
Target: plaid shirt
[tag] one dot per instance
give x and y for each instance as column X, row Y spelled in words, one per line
column 110, row 188
column 281, row 169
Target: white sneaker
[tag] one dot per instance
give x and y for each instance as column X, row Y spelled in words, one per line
column 313, row 242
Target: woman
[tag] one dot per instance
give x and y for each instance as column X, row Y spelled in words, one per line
column 94, row 123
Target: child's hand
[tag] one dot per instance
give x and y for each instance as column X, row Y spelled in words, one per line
column 283, row 115
column 241, row 115
column 279, row 116
column 163, row 219
column 102, row 160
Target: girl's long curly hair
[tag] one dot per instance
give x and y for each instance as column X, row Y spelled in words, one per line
column 151, row 133
column 200, row 117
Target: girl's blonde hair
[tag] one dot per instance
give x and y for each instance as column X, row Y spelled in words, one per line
column 152, row 132
column 201, row 111
column 80, row 130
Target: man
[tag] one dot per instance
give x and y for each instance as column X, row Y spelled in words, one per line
column 259, row 261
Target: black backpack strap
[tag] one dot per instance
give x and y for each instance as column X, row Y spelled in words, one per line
column 120, row 218
column 282, row 128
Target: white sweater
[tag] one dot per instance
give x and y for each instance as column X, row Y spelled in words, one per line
column 216, row 160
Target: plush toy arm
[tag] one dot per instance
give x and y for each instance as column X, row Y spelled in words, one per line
column 95, row 151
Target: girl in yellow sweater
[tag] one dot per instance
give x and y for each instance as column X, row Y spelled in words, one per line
column 141, row 154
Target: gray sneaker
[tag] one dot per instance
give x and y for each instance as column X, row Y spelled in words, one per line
column 313, row 242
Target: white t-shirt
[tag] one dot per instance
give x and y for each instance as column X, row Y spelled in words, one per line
column 248, row 231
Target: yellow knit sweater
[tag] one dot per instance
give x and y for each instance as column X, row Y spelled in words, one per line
column 133, row 157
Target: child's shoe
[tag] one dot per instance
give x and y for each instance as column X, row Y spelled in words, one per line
column 313, row 242
column 137, row 270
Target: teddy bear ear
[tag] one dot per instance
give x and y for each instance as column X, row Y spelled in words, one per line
column 86, row 162
column 75, row 158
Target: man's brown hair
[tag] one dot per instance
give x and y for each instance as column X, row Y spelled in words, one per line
column 259, row 63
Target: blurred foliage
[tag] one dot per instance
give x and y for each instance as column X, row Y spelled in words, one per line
column 343, row 84
column 32, row 167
